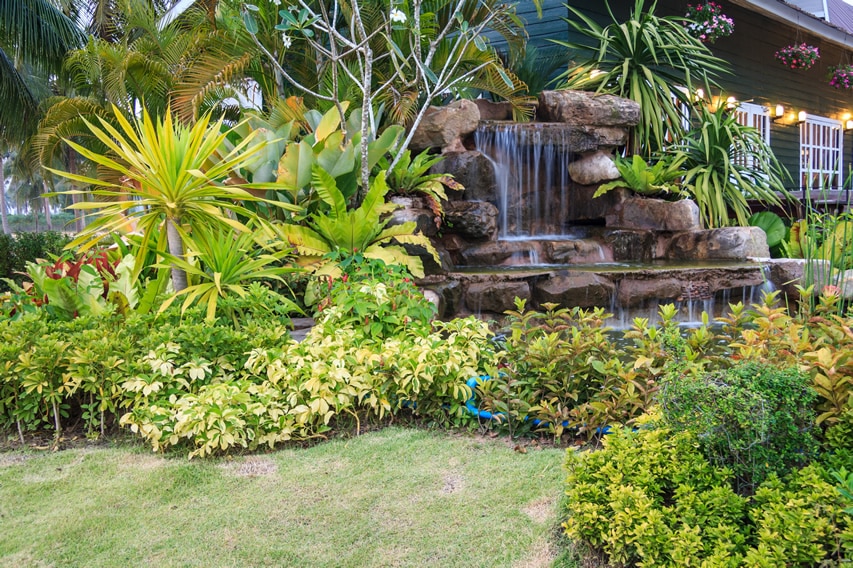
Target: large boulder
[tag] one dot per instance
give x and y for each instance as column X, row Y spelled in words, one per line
column 491, row 110
column 473, row 170
column 495, row 297
column 582, row 289
column 593, row 167
column 474, row 220
column 654, row 215
column 584, row 108
column 444, row 127
column 631, row 245
column 727, row 243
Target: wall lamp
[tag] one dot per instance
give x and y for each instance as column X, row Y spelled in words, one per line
column 778, row 113
column 801, row 117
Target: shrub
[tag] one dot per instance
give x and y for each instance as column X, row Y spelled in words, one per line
column 378, row 300
column 17, row 251
column 650, row 498
column 798, row 521
column 754, row 418
column 562, row 371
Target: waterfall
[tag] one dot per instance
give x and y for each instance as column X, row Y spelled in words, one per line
column 531, row 169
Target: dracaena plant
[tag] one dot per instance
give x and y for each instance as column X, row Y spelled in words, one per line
column 349, row 231
column 172, row 179
column 728, row 164
column 223, row 265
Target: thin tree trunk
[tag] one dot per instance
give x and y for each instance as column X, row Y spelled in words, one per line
column 79, row 218
column 3, row 212
column 56, row 420
column 46, row 200
column 176, row 249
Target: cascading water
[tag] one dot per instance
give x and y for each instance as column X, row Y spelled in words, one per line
column 531, row 169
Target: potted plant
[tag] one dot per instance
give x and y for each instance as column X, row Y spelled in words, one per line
column 707, row 22
column 841, row 76
column 798, row 56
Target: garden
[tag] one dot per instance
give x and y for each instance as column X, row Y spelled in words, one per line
column 149, row 375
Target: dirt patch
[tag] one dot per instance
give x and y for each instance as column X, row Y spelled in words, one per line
column 453, row 483
column 24, row 558
column 141, row 462
column 539, row 511
column 542, row 554
column 253, row 466
column 7, row 460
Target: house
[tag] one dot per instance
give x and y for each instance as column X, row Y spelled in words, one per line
column 813, row 137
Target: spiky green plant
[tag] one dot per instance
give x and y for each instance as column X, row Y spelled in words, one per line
column 171, row 180
column 648, row 58
column 225, row 265
column 729, row 164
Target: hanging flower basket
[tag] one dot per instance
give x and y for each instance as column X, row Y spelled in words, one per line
column 708, row 22
column 841, row 76
column 798, row 56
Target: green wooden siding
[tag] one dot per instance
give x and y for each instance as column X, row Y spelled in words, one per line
column 756, row 75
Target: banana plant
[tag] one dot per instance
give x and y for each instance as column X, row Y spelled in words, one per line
column 350, row 231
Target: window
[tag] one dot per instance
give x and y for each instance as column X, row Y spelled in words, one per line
column 821, row 150
column 758, row 117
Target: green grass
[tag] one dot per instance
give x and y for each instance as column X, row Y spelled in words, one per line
column 396, row 497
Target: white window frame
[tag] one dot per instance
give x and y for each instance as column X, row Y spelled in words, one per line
column 757, row 117
column 821, row 154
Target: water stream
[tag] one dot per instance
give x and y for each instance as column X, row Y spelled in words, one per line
column 531, row 168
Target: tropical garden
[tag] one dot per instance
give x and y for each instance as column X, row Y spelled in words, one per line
column 227, row 166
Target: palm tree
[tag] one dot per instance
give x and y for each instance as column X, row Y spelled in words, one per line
column 3, row 212
column 35, row 36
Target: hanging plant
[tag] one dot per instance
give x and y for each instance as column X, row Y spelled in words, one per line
column 798, row 56
column 707, row 23
column 841, row 76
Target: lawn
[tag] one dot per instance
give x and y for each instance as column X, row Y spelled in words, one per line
column 395, row 497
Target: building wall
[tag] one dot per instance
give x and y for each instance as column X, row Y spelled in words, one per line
column 756, row 75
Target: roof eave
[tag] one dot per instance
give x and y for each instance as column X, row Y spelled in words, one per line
column 782, row 12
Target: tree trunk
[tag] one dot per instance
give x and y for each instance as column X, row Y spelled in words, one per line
column 3, row 212
column 46, row 200
column 79, row 217
column 176, row 249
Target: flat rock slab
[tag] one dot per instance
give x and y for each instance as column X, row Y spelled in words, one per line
column 582, row 289
column 727, row 243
